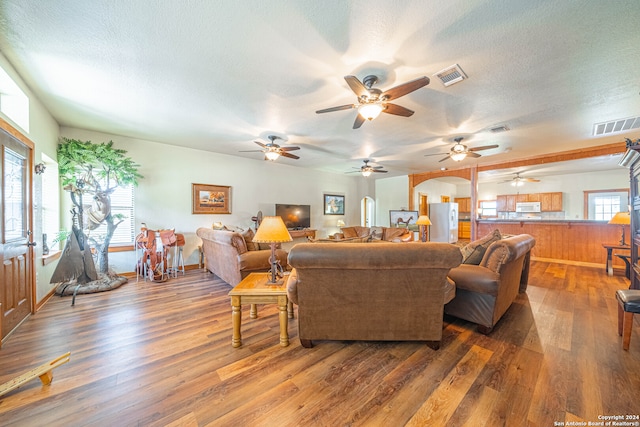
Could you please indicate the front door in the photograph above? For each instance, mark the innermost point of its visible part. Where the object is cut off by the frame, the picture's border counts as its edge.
(15, 235)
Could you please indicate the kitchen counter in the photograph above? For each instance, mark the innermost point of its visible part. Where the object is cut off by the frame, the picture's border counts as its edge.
(562, 239)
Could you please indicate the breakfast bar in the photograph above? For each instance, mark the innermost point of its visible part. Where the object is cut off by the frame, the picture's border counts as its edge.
(583, 241)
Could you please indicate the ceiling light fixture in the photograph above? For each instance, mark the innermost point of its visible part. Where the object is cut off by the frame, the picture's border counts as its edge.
(458, 152)
(272, 155)
(370, 111)
(366, 172)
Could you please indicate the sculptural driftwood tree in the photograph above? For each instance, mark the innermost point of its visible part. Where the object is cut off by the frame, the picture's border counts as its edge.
(96, 170)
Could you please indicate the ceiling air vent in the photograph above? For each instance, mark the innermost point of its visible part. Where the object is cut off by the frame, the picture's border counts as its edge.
(451, 75)
(620, 125)
(497, 129)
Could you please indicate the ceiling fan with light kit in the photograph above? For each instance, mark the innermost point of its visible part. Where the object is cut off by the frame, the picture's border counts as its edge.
(366, 169)
(372, 101)
(518, 181)
(460, 151)
(272, 150)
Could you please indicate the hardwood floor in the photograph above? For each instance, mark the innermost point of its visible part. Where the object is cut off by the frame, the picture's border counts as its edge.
(159, 354)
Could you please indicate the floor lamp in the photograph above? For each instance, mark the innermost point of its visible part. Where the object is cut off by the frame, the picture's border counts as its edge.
(272, 231)
(423, 221)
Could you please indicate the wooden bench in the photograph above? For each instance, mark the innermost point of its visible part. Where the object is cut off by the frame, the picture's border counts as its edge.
(627, 262)
(44, 372)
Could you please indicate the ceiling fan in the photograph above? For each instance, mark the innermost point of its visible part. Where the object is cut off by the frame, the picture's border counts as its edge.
(272, 150)
(459, 151)
(519, 181)
(366, 169)
(372, 101)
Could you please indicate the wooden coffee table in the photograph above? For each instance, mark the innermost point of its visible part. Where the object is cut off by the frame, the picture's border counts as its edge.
(253, 290)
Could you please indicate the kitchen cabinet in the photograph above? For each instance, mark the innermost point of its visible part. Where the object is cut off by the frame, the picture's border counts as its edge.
(464, 230)
(506, 203)
(551, 202)
(464, 204)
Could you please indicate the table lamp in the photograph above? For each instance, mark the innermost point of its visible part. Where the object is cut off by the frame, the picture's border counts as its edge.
(621, 219)
(423, 221)
(272, 230)
(341, 223)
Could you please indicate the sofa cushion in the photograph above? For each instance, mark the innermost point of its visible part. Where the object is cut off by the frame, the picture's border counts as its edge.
(349, 232)
(248, 240)
(485, 241)
(392, 234)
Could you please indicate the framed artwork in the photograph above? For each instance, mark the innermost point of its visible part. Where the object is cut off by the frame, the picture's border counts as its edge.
(333, 204)
(403, 219)
(211, 199)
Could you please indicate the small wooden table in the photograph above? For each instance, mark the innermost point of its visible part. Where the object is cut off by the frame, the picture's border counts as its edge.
(253, 290)
(610, 247)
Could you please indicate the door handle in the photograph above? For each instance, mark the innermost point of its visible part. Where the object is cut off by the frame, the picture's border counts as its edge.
(31, 243)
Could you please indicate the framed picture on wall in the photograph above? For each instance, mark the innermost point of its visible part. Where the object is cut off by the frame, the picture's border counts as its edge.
(211, 199)
(333, 204)
(403, 219)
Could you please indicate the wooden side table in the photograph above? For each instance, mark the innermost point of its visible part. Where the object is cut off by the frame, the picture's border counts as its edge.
(254, 289)
(610, 247)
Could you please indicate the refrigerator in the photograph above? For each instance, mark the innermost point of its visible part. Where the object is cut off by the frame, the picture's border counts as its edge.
(444, 222)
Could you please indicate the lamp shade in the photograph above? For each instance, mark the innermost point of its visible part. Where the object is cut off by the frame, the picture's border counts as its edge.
(340, 223)
(272, 230)
(423, 220)
(621, 218)
(272, 155)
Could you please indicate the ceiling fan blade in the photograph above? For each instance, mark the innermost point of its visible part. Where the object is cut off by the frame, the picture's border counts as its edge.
(472, 154)
(378, 170)
(291, 156)
(405, 88)
(341, 107)
(442, 160)
(397, 110)
(529, 179)
(377, 167)
(251, 151)
(484, 147)
(290, 148)
(357, 86)
(435, 154)
(260, 144)
(358, 122)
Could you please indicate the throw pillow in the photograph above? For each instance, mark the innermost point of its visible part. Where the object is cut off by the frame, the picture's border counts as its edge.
(485, 241)
(476, 256)
(237, 241)
(349, 232)
(248, 240)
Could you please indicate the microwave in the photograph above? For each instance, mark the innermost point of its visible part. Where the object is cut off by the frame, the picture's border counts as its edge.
(528, 207)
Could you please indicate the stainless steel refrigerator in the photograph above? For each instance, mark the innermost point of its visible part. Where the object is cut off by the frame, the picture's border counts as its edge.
(444, 222)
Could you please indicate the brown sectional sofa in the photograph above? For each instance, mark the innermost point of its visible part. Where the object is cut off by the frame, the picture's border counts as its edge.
(375, 292)
(229, 257)
(484, 292)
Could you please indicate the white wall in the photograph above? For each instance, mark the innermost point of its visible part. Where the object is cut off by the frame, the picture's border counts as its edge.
(43, 132)
(163, 196)
(391, 194)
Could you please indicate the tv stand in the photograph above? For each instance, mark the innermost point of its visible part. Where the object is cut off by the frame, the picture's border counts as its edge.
(308, 232)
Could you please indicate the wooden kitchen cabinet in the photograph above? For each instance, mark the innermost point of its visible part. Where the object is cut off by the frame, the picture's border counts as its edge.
(464, 230)
(551, 202)
(464, 204)
(506, 203)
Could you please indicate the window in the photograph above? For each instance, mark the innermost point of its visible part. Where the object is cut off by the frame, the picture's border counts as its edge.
(122, 202)
(14, 103)
(488, 208)
(50, 202)
(603, 205)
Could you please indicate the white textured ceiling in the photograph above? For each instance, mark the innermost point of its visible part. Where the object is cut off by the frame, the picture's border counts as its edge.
(217, 75)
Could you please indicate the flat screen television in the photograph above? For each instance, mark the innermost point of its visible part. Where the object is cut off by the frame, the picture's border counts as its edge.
(295, 217)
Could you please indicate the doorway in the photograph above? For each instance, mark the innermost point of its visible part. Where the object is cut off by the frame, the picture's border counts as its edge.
(367, 212)
(16, 253)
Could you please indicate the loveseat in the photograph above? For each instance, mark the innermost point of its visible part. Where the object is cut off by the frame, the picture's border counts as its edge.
(484, 292)
(381, 292)
(232, 255)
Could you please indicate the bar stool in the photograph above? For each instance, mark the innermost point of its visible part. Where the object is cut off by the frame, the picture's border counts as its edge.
(628, 304)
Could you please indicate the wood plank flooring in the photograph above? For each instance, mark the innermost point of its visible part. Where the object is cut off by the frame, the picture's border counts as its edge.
(159, 354)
